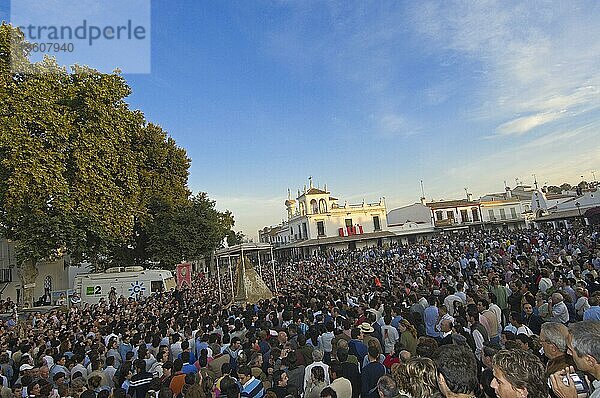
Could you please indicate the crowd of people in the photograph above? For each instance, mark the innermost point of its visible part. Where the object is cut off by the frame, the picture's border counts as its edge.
(508, 314)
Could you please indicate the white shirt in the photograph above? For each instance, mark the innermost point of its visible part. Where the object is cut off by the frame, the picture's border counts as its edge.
(581, 305)
(309, 368)
(596, 392)
(496, 310)
(560, 313)
(390, 337)
(545, 284)
(523, 329)
(478, 337)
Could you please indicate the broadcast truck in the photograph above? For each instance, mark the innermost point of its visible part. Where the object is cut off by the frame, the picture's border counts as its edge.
(130, 282)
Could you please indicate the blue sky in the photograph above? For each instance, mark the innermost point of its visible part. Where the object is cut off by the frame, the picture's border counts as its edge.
(372, 97)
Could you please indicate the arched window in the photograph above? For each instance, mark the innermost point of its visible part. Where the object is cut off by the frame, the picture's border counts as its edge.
(322, 206)
(314, 207)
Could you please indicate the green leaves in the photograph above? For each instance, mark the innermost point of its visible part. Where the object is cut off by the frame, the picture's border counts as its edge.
(82, 174)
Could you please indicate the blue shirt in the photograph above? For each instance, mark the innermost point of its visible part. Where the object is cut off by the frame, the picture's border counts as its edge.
(189, 368)
(592, 314)
(431, 317)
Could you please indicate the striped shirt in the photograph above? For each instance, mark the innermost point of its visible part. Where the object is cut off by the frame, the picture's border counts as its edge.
(253, 389)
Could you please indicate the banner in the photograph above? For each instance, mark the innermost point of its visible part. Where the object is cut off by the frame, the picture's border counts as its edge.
(184, 274)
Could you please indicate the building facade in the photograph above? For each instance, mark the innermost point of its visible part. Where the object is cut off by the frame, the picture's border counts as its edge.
(411, 223)
(316, 221)
(456, 214)
(53, 276)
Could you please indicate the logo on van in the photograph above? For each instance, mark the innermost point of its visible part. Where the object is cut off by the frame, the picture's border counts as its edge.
(136, 288)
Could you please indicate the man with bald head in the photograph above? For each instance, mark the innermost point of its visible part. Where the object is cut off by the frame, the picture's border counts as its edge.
(446, 326)
(560, 313)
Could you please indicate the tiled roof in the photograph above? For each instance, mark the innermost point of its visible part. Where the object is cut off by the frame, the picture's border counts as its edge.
(315, 191)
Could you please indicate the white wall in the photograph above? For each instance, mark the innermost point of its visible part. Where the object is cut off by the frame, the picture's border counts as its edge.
(587, 200)
(497, 206)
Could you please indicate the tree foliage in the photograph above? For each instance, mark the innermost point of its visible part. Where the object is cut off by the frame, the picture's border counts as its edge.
(188, 231)
(83, 174)
(566, 187)
(554, 189)
(69, 172)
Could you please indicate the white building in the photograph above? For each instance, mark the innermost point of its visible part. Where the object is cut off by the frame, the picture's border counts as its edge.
(316, 221)
(507, 213)
(455, 214)
(542, 202)
(411, 223)
(52, 276)
(563, 209)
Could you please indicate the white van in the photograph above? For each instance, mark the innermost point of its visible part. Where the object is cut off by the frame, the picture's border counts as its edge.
(128, 282)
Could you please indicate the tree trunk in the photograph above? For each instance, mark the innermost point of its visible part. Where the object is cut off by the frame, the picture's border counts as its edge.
(28, 273)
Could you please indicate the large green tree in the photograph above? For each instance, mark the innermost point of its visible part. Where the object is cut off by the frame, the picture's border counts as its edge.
(68, 168)
(82, 174)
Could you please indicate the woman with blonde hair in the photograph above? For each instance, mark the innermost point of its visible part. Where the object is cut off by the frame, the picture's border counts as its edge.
(421, 379)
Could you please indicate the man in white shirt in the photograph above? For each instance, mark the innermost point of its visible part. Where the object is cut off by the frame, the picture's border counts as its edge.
(390, 335)
(517, 321)
(545, 281)
(317, 356)
(560, 313)
(443, 316)
(110, 371)
(175, 348)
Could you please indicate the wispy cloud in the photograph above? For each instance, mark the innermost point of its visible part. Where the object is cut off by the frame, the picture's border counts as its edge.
(556, 157)
(524, 124)
(394, 125)
(538, 60)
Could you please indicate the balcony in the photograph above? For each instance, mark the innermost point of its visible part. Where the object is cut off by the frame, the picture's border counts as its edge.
(445, 223)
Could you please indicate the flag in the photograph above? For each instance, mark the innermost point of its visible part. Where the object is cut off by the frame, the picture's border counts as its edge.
(184, 274)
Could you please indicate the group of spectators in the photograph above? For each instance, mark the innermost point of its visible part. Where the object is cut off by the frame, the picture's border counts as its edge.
(470, 314)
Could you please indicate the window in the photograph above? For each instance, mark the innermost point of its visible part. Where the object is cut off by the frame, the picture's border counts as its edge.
(450, 215)
(376, 224)
(304, 230)
(320, 228)
(314, 207)
(464, 215)
(475, 214)
(502, 214)
(439, 215)
(491, 214)
(322, 206)
(348, 222)
(156, 286)
(513, 213)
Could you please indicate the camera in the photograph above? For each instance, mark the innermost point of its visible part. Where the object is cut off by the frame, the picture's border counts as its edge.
(578, 379)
